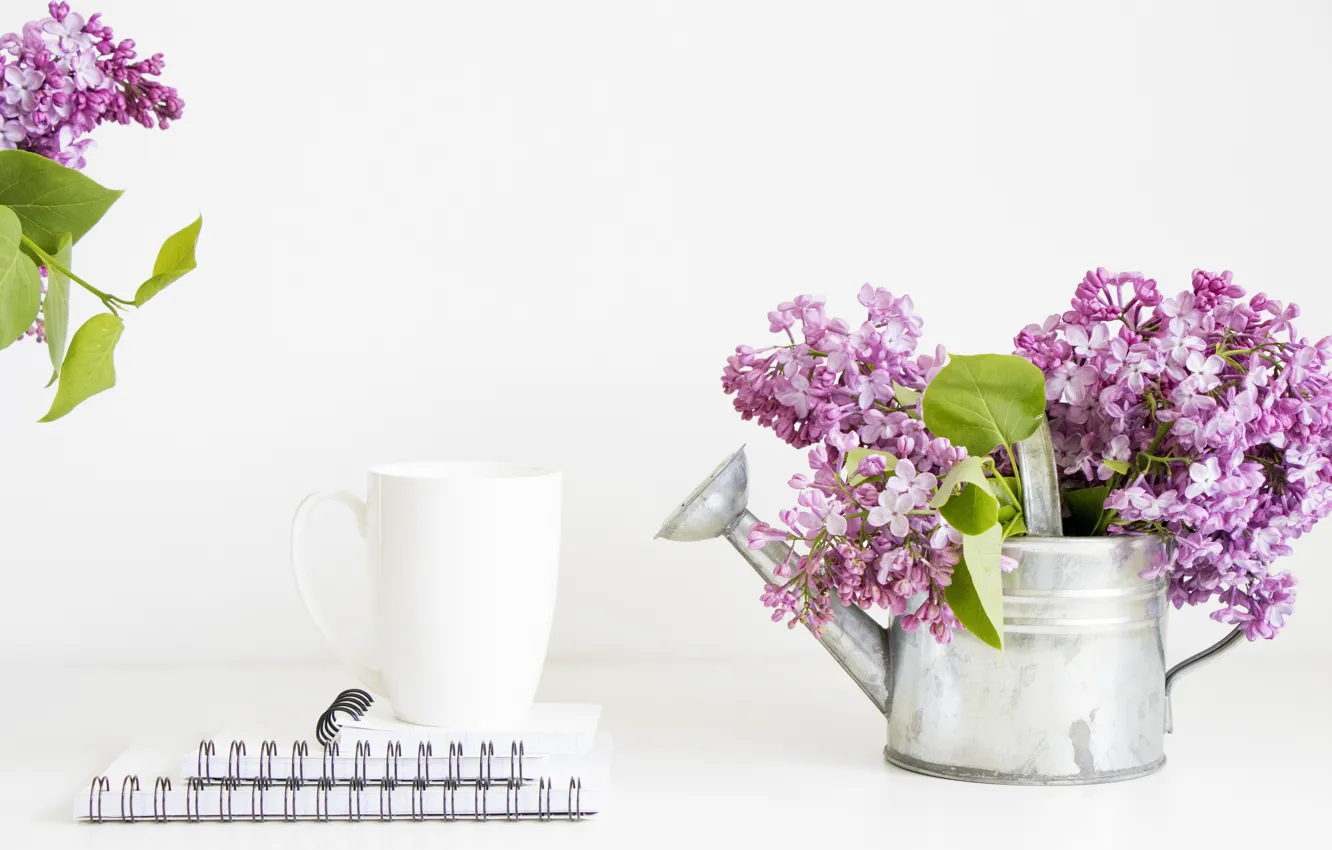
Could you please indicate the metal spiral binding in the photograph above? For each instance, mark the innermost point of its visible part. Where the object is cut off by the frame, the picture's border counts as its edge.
(261, 780)
(448, 801)
(389, 781)
(224, 790)
(359, 759)
(421, 781)
(299, 751)
(328, 763)
(267, 750)
(99, 785)
(575, 794)
(424, 752)
(204, 763)
(511, 810)
(479, 801)
(192, 790)
(394, 751)
(516, 763)
(418, 800)
(386, 787)
(485, 768)
(234, 754)
(160, 789)
(354, 789)
(455, 761)
(257, 790)
(543, 796)
(289, 790)
(128, 786)
(322, 794)
(242, 770)
(353, 701)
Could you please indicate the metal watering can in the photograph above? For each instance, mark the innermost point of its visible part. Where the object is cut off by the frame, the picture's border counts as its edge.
(1080, 693)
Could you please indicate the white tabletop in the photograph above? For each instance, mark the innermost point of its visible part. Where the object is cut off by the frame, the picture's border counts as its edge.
(713, 755)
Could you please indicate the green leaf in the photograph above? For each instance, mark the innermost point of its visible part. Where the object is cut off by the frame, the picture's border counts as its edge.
(1119, 466)
(1086, 507)
(1014, 526)
(977, 592)
(20, 283)
(855, 456)
(905, 396)
(973, 511)
(88, 368)
(174, 261)
(55, 308)
(1006, 513)
(985, 400)
(50, 199)
(970, 470)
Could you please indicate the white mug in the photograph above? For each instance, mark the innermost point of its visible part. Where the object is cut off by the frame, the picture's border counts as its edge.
(463, 561)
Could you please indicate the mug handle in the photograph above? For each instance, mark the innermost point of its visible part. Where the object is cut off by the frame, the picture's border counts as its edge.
(367, 672)
(1184, 666)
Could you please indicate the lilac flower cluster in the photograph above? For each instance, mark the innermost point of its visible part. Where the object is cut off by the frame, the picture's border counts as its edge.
(64, 75)
(1207, 419)
(38, 329)
(862, 526)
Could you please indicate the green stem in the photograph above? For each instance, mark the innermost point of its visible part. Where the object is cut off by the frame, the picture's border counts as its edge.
(51, 262)
(1167, 460)
(1162, 429)
(1012, 461)
(1012, 499)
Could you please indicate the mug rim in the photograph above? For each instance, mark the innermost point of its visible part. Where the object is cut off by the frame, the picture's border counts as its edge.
(460, 470)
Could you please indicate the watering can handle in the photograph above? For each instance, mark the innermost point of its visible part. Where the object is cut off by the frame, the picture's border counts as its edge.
(1040, 502)
(1040, 484)
(1191, 662)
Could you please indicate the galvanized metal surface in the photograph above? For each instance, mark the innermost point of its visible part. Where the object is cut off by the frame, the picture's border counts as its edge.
(1041, 509)
(1078, 695)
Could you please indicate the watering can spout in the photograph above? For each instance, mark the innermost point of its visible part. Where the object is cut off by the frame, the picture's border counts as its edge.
(719, 508)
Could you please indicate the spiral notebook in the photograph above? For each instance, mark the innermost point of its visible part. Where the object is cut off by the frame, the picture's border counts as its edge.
(337, 779)
(136, 789)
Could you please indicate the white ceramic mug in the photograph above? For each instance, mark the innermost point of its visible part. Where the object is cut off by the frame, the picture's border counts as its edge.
(463, 561)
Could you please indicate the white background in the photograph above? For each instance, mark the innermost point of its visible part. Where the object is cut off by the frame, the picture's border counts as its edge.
(534, 232)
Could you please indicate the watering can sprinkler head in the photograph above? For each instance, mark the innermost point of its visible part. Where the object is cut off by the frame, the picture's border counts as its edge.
(719, 508)
(715, 505)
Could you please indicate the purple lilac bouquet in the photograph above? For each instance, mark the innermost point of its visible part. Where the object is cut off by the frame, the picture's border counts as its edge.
(1201, 418)
(64, 75)
(864, 517)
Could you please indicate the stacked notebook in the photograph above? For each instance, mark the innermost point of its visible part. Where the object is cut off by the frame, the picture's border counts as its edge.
(366, 765)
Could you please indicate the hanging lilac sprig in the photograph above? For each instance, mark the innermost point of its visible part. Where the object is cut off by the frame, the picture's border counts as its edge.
(64, 75)
(1201, 418)
(60, 77)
